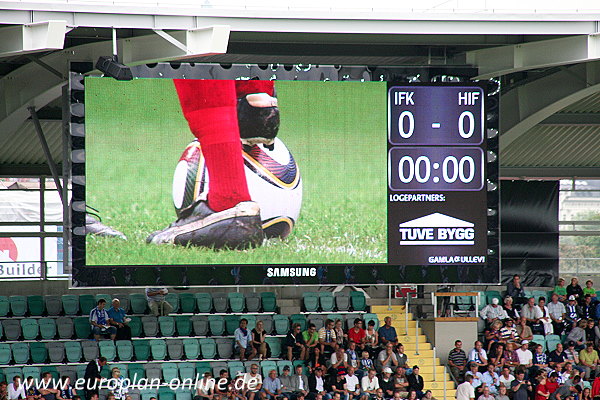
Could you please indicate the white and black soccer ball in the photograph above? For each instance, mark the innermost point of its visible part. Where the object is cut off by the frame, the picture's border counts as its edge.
(273, 178)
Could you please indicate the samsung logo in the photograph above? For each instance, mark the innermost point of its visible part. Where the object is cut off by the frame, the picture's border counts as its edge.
(286, 272)
(437, 229)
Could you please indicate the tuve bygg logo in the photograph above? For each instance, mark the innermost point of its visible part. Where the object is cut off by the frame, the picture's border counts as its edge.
(437, 229)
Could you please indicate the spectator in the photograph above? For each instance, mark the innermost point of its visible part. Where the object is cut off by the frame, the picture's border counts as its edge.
(524, 354)
(352, 354)
(378, 394)
(557, 311)
(271, 387)
(541, 391)
(387, 357)
(502, 393)
(258, 340)
(557, 357)
(294, 345)
(540, 359)
(523, 330)
(505, 379)
(92, 376)
(492, 334)
(401, 356)
(573, 311)
(299, 384)
(508, 332)
(205, 390)
(589, 289)
(572, 356)
(596, 335)
(357, 334)
(3, 390)
(243, 341)
(493, 312)
(387, 333)
(120, 392)
(386, 383)
(400, 382)
(352, 384)
(545, 319)
(48, 390)
(223, 389)
(457, 360)
(573, 289)
(340, 336)
(16, 390)
(520, 386)
(337, 385)
(586, 394)
(511, 359)
(339, 361)
(317, 360)
(497, 357)
(371, 338)
(415, 381)
(565, 391)
(369, 385)
(486, 395)
(590, 332)
(478, 355)
(515, 289)
(156, 301)
(316, 383)
(366, 363)
(428, 395)
(490, 379)
(31, 391)
(327, 337)
(252, 383)
(99, 320)
(551, 383)
(477, 376)
(588, 359)
(560, 290)
(588, 309)
(118, 318)
(311, 340)
(532, 315)
(466, 391)
(577, 335)
(509, 308)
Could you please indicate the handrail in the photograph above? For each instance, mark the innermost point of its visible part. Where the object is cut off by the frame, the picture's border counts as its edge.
(434, 366)
(445, 372)
(417, 337)
(406, 309)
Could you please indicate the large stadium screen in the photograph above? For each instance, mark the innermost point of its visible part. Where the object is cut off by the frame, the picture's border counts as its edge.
(350, 182)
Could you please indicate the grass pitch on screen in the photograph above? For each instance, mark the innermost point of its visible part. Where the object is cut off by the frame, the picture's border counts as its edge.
(136, 132)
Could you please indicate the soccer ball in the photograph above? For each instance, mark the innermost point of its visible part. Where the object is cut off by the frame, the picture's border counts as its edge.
(273, 178)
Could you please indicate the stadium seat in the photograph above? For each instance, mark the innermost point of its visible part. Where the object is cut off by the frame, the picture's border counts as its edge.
(302, 363)
(232, 322)
(30, 328)
(204, 302)
(158, 348)
(12, 329)
(4, 306)
(164, 393)
(47, 328)
(217, 366)
(104, 296)
(68, 370)
(18, 305)
(167, 325)
(70, 303)
(90, 350)
(275, 345)
(170, 371)
(108, 349)
(31, 371)
(216, 324)
(300, 319)
(20, 352)
(39, 353)
(56, 352)
(65, 327)
(153, 371)
(175, 349)
(134, 393)
(269, 301)
(191, 348)
(282, 324)
(138, 303)
(5, 354)
(124, 350)
(136, 326)
(202, 367)
(136, 372)
(342, 301)
(225, 348)
(52, 369)
(80, 370)
(208, 348)
(182, 395)
(235, 367)
(358, 301)
(187, 302)
(248, 365)
(282, 364)
(122, 367)
(539, 339)
(124, 299)
(253, 302)
(251, 320)
(491, 294)
(141, 349)
(147, 393)
(36, 305)
(267, 323)
(87, 302)
(200, 324)
(327, 301)
(105, 373)
(187, 370)
(267, 366)
(237, 302)
(83, 329)
(12, 371)
(173, 300)
(150, 325)
(310, 300)
(316, 319)
(184, 325)
(220, 302)
(53, 305)
(371, 317)
(552, 341)
(73, 351)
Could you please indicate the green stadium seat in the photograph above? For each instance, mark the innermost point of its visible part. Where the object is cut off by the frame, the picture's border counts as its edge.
(4, 306)
(122, 367)
(183, 394)
(90, 350)
(317, 319)
(253, 302)
(220, 302)
(187, 302)
(150, 325)
(173, 300)
(105, 372)
(141, 349)
(65, 327)
(235, 367)
(80, 371)
(106, 297)
(30, 328)
(12, 371)
(327, 301)
(12, 329)
(269, 301)
(371, 317)
(108, 349)
(225, 347)
(282, 364)
(300, 319)
(83, 329)
(18, 305)
(175, 349)
(251, 321)
(204, 302)
(491, 294)
(540, 293)
(202, 367)
(232, 322)
(208, 348)
(191, 348)
(73, 351)
(267, 366)
(36, 305)
(267, 322)
(39, 353)
(136, 372)
(47, 328)
(136, 326)
(138, 303)
(158, 348)
(5, 354)
(70, 303)
(358, 301)
(170, 371)
(167, 325)
(31, 371)
(68, 370)
(153, 371)
(56, 352)
(552, 341)
(200, 324)
(87, 302)
(310, 300)
(282, 324)
(216, 324)
(342, 301)
(164, 393)
(20, 352)
(539, 339)
(147, 393)
(124, 299)
(275, 346)
(124, 350)
(184, 325)
(237, 302)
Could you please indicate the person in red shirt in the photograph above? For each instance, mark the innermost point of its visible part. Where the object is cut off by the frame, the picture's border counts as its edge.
(541, 392)
(551, 383)
(357, 334)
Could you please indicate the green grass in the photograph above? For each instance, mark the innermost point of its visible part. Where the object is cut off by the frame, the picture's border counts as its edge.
(135, 134)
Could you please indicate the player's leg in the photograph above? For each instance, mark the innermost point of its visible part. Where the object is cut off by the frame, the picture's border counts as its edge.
(258, 114)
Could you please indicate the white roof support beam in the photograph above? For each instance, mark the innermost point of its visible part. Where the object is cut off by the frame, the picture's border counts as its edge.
(504, 60)
(32, 38)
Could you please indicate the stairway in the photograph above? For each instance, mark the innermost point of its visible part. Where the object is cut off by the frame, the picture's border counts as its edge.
(418, 350)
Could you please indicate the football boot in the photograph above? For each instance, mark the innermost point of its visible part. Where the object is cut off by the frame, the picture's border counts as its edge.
(258, 119)
(95, 227)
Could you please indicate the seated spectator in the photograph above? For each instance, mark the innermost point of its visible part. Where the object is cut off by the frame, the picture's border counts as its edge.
(122, 389)
(340, 336)
(339, 361)
(502, 393)
(493, 312)
(588, 309)
(271, 387)
(299, 383)
(524, 354)
(505, 379)
(400, 382)
(545, 319)
(401, 356)
(252, 383)
(557, 311)
(31, 391)
(428, 395)
(486, 394)
(508, 332)
(378, 394)
(118, 319)
(589, 360)
(523, 329)
(540, 360)
(477, 355)
(465, 391)
(590, 332)
(156, 301)
(387, 333)
(509, 308)
(557, 357)
(222, 386)
(532, 315)
(371, 338)
(541, 391)
(575, 290)
(48, 389)
(476, 375)
(572, 356)
(386, 383)
(496, 357)
(589, 289)
(573, 312)
(457, 360)
(490, 379)
(566, 391)
(369, 385)
(492, 334)
(415, 381)
(316, 360)
(366, 363)
(16, 390)
(258, 340)
(387, 357)
(520, 386)
(357, 334)
(560, 290)
(515, 289)
(311, 340)
(243, 341)
(511, 359)
(337, 385)
(205, 388)
(551, 383)
(316, 383)
(327, 337)
(352, 354)
(293, 344)
(99, 320)
(577, 335)
(352, 384)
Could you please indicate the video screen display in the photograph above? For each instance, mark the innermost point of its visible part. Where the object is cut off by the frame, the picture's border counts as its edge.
(253, 182)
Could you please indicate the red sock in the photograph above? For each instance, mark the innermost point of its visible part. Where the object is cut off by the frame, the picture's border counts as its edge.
(243, 88)
(210, 107)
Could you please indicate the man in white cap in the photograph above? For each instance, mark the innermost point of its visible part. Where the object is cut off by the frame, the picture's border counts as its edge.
(492, 312)
(525, 355)
(386, 382)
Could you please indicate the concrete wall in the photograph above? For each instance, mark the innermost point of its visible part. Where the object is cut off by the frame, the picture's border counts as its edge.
(447, 332)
